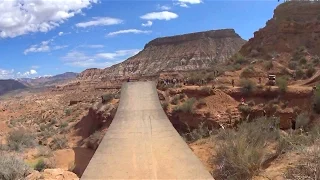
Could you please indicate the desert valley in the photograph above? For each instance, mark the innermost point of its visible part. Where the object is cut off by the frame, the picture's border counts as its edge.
(247, 109)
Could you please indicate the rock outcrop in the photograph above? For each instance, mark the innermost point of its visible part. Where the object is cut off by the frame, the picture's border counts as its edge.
(293, 25)
(52, 174)
(193, 51)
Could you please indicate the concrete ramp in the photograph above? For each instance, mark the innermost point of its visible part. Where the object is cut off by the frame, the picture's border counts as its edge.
(141, 143)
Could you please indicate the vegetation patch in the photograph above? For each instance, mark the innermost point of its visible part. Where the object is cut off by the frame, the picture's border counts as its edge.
(12, 167)
(248, 86)
(186, 107)
(19, 139)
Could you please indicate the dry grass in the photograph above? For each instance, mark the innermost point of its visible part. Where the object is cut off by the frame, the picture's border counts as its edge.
(19, 139)
(186, 107)
(12, 168)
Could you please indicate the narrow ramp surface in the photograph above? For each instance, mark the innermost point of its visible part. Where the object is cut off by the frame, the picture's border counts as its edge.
(141, 142)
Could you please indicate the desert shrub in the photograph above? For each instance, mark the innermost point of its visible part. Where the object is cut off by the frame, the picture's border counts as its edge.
(64, 124)
(315, 60)
(59, 143)
(19, 139)
(268, 65)
(206, 90)
(107, 97)
(94, 140)
(67, 112)
(247, 71)
(310, 72)
(302, 120)
(316, 100)
(292, 65)
(300, 73)
(242, 152)
(12, 167)
(40, 165)
(244, 109)
(195, 78)
(186, 107)
(201, 132)
(251, 103)
(247, 85)
(308, 167)
(303, 60)
(282, 83)
(43, 151)
(239, 59)
(175, 99)
(210, 76)
(165, 105)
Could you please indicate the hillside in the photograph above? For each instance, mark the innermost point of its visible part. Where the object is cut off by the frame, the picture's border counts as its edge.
(294, 25)
(193, 51)
(49, 81)
(10, 85)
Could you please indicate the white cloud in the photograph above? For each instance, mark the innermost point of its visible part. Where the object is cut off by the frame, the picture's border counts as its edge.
(184, 3)
(32, 71)
(60, 33)
(93, 46)
(100, 60)
(164, 15)
(19, 17)
(148, 24)
(100, 21)
(44, 46)
(134, 31)
(117, 54)
(164, 7)
(6, 74)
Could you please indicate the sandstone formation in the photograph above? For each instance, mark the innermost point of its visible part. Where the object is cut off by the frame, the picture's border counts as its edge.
(293, 25)
(193, 51)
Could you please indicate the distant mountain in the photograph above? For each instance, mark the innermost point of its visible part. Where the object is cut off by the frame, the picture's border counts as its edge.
(48, 80)
(10, 85)
(194, 51)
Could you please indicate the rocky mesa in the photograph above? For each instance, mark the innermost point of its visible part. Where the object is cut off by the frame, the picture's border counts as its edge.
(192, 51)
(293, 25)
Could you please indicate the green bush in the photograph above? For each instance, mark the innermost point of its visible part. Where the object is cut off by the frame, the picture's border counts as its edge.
(19, 139)
(282, 83)
(59, 143)
(165, 105)
(315, 60)
(247, 85)
(300, 73)
(186, 107)
(268, 65)
(241, 153)
(292, 65)
(67, 112)
(310, 72)
(302, 121)
(303, 60)
(239, 59)
(107, 97)
(201, 132)
(247, 71)
(245, 109)
(12, 168)
(175, 100)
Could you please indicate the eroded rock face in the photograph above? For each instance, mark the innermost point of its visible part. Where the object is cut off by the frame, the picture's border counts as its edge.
(293, 25)
(177, 53)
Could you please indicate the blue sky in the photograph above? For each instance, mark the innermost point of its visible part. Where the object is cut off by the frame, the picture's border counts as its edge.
(48, 37)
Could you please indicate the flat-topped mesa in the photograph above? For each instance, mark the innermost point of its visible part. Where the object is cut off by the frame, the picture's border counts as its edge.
(194, 51)
(214, 34)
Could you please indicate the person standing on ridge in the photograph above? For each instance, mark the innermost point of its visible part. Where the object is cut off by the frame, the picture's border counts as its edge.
(232, 82)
